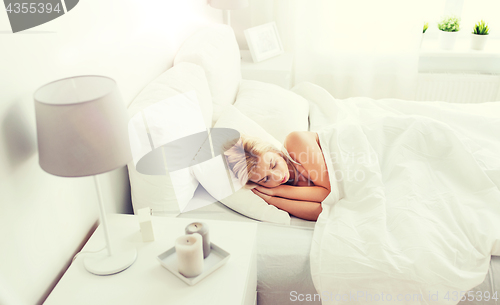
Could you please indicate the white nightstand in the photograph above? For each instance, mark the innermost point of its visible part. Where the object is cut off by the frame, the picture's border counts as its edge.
(147, 282)
(276, 70)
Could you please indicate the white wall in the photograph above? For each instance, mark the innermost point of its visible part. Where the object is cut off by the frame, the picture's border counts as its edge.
(44, 218)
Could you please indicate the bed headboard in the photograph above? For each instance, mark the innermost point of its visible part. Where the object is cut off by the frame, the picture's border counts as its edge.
(215, 49)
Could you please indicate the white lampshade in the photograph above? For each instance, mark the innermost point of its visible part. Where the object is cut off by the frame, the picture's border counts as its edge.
(81, 126)
(228, 4)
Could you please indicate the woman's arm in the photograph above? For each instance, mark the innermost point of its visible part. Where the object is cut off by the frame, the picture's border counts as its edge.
(303, 209)
(305, 193)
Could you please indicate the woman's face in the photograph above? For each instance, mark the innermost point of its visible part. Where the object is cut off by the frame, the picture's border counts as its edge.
(271, 170)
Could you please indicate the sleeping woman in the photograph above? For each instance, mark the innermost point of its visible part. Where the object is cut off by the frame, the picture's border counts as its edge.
(294, 180)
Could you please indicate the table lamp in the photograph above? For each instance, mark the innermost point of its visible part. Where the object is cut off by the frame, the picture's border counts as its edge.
(228, 5)
(82, 131)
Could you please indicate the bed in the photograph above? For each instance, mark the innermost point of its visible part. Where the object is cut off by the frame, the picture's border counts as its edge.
(283, 264)
(293, 264)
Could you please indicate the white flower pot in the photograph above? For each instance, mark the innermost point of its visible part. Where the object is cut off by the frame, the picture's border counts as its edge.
(477, 42)
(447, 40)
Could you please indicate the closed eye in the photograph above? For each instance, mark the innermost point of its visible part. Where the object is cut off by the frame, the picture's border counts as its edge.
(263, 180)
(275, 163)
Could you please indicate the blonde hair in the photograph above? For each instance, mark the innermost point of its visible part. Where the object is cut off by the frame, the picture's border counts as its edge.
(243, 156)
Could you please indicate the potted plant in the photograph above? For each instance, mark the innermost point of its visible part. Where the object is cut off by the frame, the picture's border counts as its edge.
(449, 27)
(479, 36)
(426, 26)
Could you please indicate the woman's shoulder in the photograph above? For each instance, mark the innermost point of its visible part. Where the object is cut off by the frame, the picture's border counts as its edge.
(299, 142)
(300, 139)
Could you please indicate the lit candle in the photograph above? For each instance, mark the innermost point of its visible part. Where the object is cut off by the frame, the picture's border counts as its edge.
(202, 229)
(189, 250)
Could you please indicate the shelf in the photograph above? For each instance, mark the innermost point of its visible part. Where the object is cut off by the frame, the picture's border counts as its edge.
(461, 59)
(430, 48)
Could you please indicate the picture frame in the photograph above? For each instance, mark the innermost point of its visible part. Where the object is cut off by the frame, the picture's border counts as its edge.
(264, 41)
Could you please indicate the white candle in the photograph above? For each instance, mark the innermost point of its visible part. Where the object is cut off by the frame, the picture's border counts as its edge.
(202, 229)
(189, 250)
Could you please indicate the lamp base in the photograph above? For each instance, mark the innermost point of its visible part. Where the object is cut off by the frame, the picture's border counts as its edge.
(104, 264)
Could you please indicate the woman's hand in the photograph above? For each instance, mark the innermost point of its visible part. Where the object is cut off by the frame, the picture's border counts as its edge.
(303, 209)
(266, 190)
(278, 191)
(262, 195)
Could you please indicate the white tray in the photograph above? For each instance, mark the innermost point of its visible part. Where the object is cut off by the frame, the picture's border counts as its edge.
(217, 258)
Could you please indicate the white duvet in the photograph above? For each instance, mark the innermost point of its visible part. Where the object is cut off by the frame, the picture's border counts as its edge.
(419, 211)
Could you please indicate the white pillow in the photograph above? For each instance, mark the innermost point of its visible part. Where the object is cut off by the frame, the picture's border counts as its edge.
(277, 110)
(243, 200)
(216, 50)
(185, 88)
(184, 77)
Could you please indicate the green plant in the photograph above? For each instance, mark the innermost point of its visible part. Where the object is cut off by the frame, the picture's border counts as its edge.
(426, 26)
(481, 28)
(449, 24)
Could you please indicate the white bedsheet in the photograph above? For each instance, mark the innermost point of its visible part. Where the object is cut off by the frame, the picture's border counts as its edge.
(419, 214)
